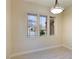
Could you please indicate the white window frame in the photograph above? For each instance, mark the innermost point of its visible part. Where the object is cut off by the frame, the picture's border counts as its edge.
(38, 18)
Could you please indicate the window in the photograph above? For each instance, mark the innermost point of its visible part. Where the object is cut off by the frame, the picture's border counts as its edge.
(37, 25)
(51, 25)
(43, 25)
(32, 28)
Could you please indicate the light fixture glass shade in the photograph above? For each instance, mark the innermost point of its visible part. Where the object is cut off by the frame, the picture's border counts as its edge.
(57, 10)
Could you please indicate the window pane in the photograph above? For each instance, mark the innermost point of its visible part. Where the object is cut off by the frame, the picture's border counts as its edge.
(32, 25)
(51, 25)
(43, 25)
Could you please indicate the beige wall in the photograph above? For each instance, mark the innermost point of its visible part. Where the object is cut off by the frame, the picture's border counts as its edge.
(67, 28)
(19, 42)
(8, 29)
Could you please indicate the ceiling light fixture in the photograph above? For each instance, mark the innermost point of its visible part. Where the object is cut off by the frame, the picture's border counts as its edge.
(56, 9)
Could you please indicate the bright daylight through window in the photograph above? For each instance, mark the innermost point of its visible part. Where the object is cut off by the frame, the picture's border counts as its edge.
(34, 24)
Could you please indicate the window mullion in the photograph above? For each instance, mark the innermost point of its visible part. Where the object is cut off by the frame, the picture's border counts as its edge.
(48, 25)
(38, 28)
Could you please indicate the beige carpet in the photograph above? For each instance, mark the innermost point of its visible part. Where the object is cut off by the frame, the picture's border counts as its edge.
(57, 53)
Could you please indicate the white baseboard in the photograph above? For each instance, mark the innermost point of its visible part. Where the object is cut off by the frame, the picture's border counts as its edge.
(32, 51)
(67, 47)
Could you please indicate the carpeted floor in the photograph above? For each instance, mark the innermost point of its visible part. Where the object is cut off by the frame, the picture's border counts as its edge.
(57, 53)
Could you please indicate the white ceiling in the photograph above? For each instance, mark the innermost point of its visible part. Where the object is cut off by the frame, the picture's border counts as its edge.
(50, 3)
